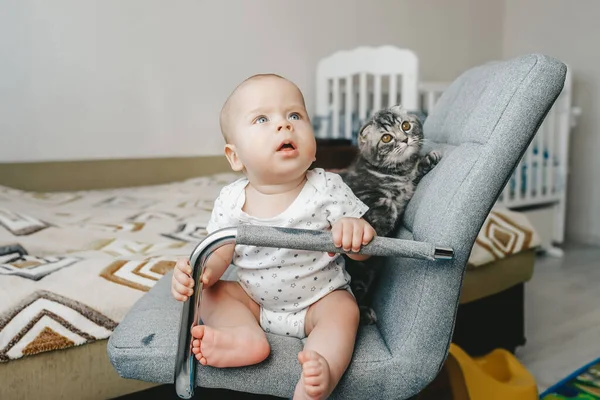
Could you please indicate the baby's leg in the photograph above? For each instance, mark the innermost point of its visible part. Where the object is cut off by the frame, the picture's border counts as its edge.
(231, 335)
(331, 325)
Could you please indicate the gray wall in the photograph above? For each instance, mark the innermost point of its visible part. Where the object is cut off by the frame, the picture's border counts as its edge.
(146, 78)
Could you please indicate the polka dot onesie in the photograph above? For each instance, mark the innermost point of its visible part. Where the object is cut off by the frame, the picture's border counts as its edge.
(286, 282)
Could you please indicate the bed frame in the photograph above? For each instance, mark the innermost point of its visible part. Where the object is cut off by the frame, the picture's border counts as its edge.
(377, 77)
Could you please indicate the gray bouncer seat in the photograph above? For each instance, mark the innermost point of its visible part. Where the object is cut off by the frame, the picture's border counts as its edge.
(482, 124)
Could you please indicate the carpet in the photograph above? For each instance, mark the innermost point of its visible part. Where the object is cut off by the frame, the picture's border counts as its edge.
(583, 384)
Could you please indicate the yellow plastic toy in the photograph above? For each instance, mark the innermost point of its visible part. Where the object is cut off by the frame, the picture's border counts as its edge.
(495, 376)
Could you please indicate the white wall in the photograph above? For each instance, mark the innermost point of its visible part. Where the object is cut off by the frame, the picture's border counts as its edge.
(146, 78)
(570, 32)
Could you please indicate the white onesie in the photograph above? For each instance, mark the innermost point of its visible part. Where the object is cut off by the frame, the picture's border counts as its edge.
(286, 282)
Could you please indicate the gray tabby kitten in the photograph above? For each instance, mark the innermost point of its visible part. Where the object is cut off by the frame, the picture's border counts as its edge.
(384, 176)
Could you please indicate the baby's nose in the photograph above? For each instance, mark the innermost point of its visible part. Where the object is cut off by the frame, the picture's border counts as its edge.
(284, 125)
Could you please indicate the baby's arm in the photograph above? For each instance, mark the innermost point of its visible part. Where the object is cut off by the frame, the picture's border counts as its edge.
(182, 283)
(351, 234)
(219, 260)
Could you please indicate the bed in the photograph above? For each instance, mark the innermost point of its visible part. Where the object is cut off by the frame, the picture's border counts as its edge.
(73, 263)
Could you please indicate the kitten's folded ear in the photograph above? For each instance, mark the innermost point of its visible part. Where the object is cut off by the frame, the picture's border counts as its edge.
(398, 109)
(362, 133)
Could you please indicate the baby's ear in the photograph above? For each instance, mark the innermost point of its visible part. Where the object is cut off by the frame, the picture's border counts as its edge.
(232, 156)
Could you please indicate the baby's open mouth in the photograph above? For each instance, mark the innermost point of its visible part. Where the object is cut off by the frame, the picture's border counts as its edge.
(286, 147)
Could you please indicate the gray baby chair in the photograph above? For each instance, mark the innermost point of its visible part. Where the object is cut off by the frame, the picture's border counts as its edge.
(482, 124)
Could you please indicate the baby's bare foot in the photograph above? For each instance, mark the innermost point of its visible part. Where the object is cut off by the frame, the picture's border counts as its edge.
(315, 380)
(229, 347)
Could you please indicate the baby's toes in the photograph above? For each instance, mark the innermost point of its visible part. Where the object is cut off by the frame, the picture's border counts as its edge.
(196, 349)
(314, 391)
(312, 369)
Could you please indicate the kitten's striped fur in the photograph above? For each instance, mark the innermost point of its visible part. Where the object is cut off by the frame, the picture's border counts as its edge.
(384, 176)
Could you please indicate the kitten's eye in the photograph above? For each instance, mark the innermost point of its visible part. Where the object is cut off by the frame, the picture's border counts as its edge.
(386, 138)
(406, 126)
(261, 120)
(295, 116)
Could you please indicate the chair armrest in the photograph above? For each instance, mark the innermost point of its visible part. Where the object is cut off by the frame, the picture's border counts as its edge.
(298, 239)
(305, 239)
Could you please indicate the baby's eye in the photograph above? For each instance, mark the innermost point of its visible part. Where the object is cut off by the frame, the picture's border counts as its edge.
(261, 120)
(295, 116)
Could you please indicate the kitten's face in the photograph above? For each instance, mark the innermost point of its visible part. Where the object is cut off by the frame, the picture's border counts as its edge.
(390, 137)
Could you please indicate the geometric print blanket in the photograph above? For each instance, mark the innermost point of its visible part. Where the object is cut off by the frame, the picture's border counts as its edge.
(73, 263)
(504, 232)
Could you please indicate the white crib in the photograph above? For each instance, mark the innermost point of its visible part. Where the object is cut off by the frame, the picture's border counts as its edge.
(351, 85)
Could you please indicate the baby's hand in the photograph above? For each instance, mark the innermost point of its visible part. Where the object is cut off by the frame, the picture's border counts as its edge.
(351, 234)
(209, 277)
(182, 283)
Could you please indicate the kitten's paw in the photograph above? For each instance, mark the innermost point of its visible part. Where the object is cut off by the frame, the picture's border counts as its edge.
(434, 157)
(429, 161)
(367, 315)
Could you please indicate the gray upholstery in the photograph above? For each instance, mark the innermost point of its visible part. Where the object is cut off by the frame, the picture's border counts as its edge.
(255, 235)
(483, 124)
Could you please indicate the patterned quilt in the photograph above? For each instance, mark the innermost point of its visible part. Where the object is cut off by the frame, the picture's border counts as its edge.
(73, 263)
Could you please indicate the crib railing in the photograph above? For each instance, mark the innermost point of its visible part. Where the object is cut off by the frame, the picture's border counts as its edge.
(540, 178)
(429, 94)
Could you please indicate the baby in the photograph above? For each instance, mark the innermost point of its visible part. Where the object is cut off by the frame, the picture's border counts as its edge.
(294, 293)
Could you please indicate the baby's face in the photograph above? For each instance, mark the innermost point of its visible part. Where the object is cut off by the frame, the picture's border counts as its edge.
(271, 130)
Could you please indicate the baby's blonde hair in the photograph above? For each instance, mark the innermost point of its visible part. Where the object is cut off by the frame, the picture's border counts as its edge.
(225, 115)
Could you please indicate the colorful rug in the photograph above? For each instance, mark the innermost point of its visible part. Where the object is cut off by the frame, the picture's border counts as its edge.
(583, 384)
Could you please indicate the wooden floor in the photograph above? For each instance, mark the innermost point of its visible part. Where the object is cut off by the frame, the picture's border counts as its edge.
(562, 315)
